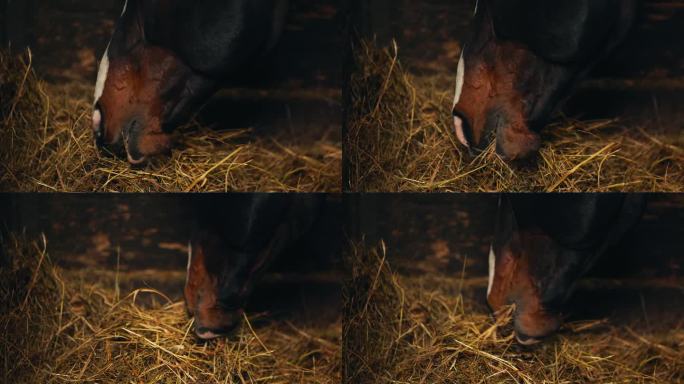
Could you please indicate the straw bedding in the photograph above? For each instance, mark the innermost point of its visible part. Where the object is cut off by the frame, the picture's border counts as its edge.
(400, 138)
(401, 329)
(57, 328)
(46, 145)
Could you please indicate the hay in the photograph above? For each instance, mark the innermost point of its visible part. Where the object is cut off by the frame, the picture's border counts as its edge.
(401, 329)
(55, 328)
(46, 145)
(400, 138)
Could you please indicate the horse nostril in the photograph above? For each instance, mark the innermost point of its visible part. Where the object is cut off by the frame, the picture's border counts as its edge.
(132, 127)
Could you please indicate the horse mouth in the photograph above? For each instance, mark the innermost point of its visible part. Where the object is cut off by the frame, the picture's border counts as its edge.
(208, 334)
(527, 341)
(460, 133)
(133, 161)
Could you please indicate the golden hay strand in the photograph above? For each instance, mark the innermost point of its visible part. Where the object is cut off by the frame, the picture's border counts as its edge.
(46, 145)
(404, 329)
(400, 138)
(57, 328)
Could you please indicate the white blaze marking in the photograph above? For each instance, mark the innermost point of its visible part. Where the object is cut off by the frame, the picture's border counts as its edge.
(104, 69)
(460, 78)
(189, 260)
(477, 4)
(102, 76)
(492, 267)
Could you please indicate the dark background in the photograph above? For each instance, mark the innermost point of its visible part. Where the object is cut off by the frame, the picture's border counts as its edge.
(443, 233)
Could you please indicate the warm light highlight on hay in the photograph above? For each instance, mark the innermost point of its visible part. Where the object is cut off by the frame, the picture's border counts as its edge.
(56, 328)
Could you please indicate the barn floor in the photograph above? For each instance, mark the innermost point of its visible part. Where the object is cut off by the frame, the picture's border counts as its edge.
(418, 312)
(279, 130)
(621, 131)
(105, 303)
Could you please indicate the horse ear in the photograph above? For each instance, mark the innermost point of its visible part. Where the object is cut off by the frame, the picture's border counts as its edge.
(129, 29)
(483, 19)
